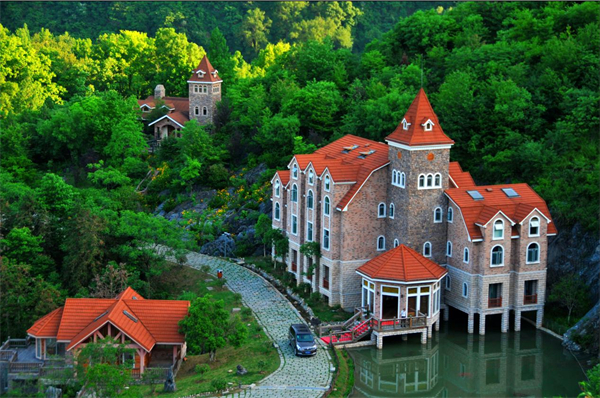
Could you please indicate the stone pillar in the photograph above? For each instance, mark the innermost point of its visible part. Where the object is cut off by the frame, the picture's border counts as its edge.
(437, 326)
(446, 313)
(505, 320)
(429, 331)
(539, 318)
(482, 324)
(517, 320)
(471, 322)
(379, 342)
(424, 337)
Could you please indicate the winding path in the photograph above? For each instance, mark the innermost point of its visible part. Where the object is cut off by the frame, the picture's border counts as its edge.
(297, 376)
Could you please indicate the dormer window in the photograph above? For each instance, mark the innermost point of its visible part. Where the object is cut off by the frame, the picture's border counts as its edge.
(405, 124)
(200, 73)
(428, 125)
(214, 73)
(145, 108)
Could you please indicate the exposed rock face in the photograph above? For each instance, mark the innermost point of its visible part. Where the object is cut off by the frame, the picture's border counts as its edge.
(223, 246)
(585, 333)
(241, 370)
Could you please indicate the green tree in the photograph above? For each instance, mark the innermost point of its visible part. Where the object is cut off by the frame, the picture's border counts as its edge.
(313, 251)
(255, 30)
(591, 388)
(570, 292)
(22, 247)
(263, 231)
(220, 56)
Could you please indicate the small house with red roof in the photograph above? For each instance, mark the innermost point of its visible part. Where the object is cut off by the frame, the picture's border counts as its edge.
(151, 327)
(204, 92)
(362, 200)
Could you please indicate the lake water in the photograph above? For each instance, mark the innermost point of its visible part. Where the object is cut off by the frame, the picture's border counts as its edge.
(453, 363)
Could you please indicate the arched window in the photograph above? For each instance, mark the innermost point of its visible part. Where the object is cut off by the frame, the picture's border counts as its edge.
(402, 179)
(381, 210)
(497, 256)
(294, 193)
(309, 199)
(534, 226)
(427, 249)
(438, 180)
(327, 183)
(196, 110)
(396, 243)
(277, 211)
(326, 206)
(392, 208)
(533, 253)
(466, 255)
(277, 187)
(450, 214)
(311, 177)
(429, 180)
(465, 291)
(295, 171)
(449, 249)
(196, 88)
(437, 215)
(204, 111)
(394, 177)
(421, 181)
(498, 229)
(448, 282)
(381, 243)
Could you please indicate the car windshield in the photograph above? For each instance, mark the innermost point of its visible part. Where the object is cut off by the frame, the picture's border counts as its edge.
(305, 338)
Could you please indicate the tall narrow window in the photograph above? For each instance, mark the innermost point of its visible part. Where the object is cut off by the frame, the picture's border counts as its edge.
(277, 211)
(294, 193)
(427, 249)
(310, 199)
(497, 256)
(294, 225)
(309, 231)
(394, 177)
(437, 215)
(498, 229)
(326, 239)
(311, 177)
(392, 209)
(421, 181)
(402, 179)
(465, 291)
(277, 187)
(196, 110)
(295, 171)
(396, 243)
(533, 253)
(381, 243)
(429, 180)
(534, 226)
(438, 180)
(449, 249)
(326, 206)
(448, 283)
(204, 111)
(381, 210)
(450, 214)
(327, 183)
(466, 255)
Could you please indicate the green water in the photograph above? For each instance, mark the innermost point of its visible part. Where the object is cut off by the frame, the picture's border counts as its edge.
(454, 363)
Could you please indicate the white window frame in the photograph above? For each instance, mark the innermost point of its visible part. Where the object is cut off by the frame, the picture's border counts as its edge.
(311, 177)
(326, 206)
(379, 207)
(448, 283)
(294, 195)
(429, 180)
(466, 255)
(294, 225)
(538, 226)
(327, 184)
(436, 211)
(328, 240)
(402, 180)
(450, 215)
(381, 239)
(494, 229)
(392, 211)
(465, 290)
(422, 179)
(428, 125)
(425, 245)
(396, 243)
(492, 256)
(538, 253)
(277, 188)
(394, 177)
(437, 180)
(277, 212)
(309, 227)
(295, 171)
(449, 249)
(405, 124)
(310, 200)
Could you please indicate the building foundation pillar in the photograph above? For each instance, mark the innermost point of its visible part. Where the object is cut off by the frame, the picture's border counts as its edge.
(379, 342)
(517, 320)
(539, 319)
(437, 325)
(429, 331)
(471, 323)
(505, 319)
(482, 324)
(424, 337)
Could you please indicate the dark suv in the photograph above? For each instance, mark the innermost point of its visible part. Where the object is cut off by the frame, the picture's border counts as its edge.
(302, 340)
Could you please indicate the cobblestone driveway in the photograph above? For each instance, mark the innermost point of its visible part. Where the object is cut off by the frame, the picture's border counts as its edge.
(297, 376)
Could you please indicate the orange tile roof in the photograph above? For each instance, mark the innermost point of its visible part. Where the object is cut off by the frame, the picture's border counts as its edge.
(460, 178)
(402, 264)
(179, 104)
(210, 73)
(154, 321)
(284, 176)
(47, 326)
(345, 164)
(178, 117)
(495, 200)
(418, 113)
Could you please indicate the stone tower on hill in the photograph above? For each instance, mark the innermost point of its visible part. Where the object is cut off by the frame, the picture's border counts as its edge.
(204, 92)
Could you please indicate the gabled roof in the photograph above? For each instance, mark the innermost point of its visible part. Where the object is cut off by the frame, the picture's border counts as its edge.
(402, 264)
(284, 176)
(419, 112)
(178, 104)
(350, 159)
(495, 200)
(460, 178)
(210, 74)
(147, 322)
(176, 117)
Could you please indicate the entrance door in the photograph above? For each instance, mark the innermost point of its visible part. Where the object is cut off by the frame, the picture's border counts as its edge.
(412, 306)
(389, 307)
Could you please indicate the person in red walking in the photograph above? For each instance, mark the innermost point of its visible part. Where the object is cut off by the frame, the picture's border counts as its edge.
(219, 273)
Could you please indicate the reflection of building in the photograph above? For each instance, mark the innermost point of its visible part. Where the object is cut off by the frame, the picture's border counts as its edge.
(204, 92)
(510, 366)
(360, 199)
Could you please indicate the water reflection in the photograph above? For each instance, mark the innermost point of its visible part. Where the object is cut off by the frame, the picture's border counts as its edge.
(457, 364)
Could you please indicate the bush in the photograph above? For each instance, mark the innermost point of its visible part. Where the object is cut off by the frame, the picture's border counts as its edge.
(205, 269)
(202, 368)
(316, 296)
(218, 385)
(246, 312)
(221, 282)
(262, 365)
(218, 176)
(237, 298)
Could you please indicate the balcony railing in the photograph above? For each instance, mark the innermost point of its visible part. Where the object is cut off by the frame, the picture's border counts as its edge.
(326, 284)
(530, 299)
(384, 325)
(495, 302)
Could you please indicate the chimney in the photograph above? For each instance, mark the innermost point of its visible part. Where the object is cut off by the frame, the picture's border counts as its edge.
(159, 92)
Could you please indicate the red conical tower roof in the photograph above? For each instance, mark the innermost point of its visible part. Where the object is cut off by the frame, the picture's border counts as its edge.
(419, 113)
(205, 73)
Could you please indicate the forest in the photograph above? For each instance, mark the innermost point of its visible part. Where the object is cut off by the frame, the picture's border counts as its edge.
(514, 84)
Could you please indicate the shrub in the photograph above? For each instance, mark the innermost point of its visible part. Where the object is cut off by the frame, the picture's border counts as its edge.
(262, 365)
(218, 384)
(205, 269)
(221, 282)
(316, 296)
(237, 298)
(202, 368)
(246, 312)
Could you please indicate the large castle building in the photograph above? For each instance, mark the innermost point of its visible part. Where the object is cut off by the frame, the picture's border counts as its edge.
(204, 91)
(403, 231)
